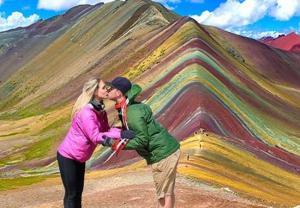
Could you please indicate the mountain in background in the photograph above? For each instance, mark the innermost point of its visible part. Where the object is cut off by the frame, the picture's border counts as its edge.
(18, 46)
(245, 95)
(290, 42)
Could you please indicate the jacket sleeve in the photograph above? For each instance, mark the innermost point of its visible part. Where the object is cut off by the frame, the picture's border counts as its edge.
(138, 124)
(91, 130)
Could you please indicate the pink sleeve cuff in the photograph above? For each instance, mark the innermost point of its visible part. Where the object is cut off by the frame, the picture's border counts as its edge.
(114, 133)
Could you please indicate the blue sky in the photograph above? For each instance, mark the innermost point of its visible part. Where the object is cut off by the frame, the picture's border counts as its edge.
(252, 18)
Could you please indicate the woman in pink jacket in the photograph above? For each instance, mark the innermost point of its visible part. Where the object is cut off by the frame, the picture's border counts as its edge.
(89, 127)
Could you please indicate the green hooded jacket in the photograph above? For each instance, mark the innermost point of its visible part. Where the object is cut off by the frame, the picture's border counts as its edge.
(152, 141)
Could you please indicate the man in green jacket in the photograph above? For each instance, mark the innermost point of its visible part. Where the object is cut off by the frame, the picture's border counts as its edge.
(151, 141)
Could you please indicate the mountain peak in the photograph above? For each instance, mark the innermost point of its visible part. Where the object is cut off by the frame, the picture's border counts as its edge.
(289, 42)
(292, 35)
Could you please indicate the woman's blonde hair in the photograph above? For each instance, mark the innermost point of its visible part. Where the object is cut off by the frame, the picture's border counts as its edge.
(86, 96)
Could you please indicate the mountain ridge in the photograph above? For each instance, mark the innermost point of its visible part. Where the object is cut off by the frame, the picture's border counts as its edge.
(289, 42)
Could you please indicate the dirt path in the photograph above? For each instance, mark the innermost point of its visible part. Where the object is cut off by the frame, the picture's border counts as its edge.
(126, 190)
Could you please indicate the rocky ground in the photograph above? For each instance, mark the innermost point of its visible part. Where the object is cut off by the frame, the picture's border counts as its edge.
(126, 190)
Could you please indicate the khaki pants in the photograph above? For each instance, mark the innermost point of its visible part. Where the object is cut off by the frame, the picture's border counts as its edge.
(164, 174)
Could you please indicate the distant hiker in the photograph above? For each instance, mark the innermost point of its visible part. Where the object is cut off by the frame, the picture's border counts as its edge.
(89, 127)
(200, 135)
(152, 141)
(202, 131)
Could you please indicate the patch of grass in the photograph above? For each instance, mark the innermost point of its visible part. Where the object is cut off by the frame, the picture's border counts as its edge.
(8, 88)
(56, 124)
(146, 64)
(10, 160)
(12, 183)
(15, 133)
(7, 103)
(29, 111)
(33, 109)
(48, 138)
(41, 148)
(13, 92)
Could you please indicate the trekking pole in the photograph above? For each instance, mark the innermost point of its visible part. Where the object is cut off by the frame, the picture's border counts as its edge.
(120, 146)
(123, 141)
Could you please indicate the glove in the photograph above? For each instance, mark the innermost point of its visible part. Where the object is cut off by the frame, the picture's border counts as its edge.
(107, 142)
(127, 134)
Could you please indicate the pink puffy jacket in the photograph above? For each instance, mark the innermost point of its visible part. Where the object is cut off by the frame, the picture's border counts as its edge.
(88, 128)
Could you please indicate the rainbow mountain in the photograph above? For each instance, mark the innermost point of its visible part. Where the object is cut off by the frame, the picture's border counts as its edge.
(233, 102)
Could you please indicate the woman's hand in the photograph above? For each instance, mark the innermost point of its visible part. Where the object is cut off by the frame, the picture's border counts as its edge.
(108, 142)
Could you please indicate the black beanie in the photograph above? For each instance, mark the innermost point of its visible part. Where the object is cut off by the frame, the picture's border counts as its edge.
(122, 84)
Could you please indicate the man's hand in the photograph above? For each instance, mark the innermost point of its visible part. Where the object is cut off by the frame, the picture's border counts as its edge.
(127, 134)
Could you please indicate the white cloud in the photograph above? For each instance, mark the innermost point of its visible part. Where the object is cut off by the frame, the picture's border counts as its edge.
(237, 13)
(17, 19)
(285, 9)
(58, 5)
(256, 34)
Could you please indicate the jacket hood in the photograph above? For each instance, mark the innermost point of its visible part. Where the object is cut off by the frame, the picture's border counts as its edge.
(134, 91)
